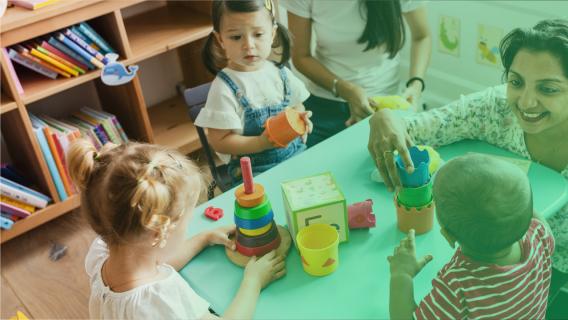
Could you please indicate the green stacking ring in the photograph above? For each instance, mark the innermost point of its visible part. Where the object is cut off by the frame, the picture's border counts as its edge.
(254, 212)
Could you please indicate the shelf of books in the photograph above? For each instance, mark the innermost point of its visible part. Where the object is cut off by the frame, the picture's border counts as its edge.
(164, 29)
(52, 55)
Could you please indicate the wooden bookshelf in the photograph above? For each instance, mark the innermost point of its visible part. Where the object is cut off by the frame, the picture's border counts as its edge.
(173, 25)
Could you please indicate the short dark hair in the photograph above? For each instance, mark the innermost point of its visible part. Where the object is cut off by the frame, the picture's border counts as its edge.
(211, 56)
(546, 36)
(483, 202)
(384, 26)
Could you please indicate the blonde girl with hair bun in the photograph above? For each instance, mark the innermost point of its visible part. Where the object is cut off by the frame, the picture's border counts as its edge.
(139, 199)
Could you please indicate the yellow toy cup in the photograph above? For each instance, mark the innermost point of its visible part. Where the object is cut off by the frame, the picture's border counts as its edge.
(390, 102)
(318, 245)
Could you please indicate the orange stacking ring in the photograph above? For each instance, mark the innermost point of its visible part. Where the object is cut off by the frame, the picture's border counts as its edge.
(258, 251)
(250, 200)
(256, 232)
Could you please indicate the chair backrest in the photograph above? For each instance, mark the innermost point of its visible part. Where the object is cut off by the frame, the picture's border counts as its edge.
(195, 99)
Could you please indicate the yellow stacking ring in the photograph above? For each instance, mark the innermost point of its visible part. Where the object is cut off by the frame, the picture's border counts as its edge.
(256, 232)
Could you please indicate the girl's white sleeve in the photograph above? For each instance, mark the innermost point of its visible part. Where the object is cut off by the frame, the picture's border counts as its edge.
(479, 116)
(220, 111)
(98, 253)
(299, 91)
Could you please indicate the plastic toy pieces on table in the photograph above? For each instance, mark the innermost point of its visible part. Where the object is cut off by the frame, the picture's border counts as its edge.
(257, 233)
(213, 213)
(361, 215)
(390, 102)
(315, 199)
(284, 127)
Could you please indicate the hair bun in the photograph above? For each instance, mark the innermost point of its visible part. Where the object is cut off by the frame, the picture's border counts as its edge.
(81, 162)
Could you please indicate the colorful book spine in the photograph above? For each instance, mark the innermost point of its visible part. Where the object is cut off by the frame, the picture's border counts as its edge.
(9, 209)
(86, 39)
(64, 56)
(16, 203)
(98, 128)
(31, 64)
(26, 53)
(55, 154)
(12, 72)
(54, 42)
(105, 122)
(84, 45)
(25, 189)
(48, 157)
(116, 123)
(6, 223)
(73, 46)
(86, 131)
(22, 196)
(93, 35)
(60, 60)
(61, 145)
(11, 173)
(65, 71)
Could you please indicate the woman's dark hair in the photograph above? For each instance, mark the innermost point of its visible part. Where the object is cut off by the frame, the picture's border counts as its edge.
(384, 26)
(212, 55)
(546, 36)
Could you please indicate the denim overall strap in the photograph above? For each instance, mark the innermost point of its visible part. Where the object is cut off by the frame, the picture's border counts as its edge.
(236, 91)
(287, 92)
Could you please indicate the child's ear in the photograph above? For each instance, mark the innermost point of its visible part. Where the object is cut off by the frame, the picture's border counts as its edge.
(219, 40)
(451, 240)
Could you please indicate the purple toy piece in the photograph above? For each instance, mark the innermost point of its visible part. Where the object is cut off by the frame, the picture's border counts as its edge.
(361, 215)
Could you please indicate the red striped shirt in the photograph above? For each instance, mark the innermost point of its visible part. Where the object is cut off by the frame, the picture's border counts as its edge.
(468, 289)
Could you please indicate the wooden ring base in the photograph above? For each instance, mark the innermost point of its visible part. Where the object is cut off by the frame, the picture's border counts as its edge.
(242, 260)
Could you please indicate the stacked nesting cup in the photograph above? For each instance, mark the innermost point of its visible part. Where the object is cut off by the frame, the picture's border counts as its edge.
(414, 203)
(284, 127)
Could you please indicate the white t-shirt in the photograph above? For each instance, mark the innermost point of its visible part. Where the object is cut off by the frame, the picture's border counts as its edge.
(262, 87)
(168, 298)
(336, 27)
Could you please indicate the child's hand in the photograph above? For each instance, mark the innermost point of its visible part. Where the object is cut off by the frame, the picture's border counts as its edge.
(268, 268)
(221, 236)
(306, 115)
(404, 259)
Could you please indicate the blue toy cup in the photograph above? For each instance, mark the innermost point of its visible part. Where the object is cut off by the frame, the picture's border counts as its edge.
(421, 175)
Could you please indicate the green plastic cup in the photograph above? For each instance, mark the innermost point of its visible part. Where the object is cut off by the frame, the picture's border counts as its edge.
(416, 197)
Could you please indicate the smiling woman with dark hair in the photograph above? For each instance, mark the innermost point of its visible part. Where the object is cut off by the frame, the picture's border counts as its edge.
(528, 116)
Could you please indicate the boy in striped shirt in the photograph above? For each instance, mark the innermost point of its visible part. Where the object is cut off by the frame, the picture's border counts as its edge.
(501, 268)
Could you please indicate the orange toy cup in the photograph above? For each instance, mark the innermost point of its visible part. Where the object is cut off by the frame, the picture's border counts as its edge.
(284, 127)
(421, 219)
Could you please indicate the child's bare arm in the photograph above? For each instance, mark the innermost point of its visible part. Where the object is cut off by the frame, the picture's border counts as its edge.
(226, 141)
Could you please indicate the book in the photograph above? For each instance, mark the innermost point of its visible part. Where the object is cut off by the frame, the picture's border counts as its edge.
(60, 60)
(18, 204)
(107, 124)
(56, 157)
(86, 39)
(114, 121)
(11, 173)
(55, 60)
(86, 29)
(12, 72)
(63, 70)
(31, 64)
(21, 195)
(32, 4)
(84, 45)
(73, 46)
(26, 53)
(20, 187)
(98, 128)
(64, 56)
(11, 210)
(6, 223)
(62, 141)
(63, 48)
(37, 127)
(86, 131)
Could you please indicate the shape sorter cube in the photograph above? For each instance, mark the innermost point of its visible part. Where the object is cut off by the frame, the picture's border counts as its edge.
(315, 199)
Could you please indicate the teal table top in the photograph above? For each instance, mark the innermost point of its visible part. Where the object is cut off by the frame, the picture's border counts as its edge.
(359, 288)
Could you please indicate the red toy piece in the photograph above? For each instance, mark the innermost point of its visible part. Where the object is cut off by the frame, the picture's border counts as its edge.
(246, 170)
(214, 213)
(361, 215)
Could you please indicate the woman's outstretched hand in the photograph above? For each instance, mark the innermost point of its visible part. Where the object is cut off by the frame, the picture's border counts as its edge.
(388, 134)
(357, 100)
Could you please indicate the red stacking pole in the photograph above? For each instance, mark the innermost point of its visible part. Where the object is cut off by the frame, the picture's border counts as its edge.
(246, 169)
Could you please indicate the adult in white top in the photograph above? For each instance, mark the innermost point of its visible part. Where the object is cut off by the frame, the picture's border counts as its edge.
(355, 58)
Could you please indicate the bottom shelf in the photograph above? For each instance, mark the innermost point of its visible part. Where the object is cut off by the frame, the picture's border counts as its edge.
(172, 126)
(40, 217)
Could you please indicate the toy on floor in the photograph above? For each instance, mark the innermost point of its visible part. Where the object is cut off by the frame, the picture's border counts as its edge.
(390, 102)
(213, 213)
(414, 203)
(284, 127)
(315, 199)
(361, 215)
(318, 245)
(257, 233)
(57, 251)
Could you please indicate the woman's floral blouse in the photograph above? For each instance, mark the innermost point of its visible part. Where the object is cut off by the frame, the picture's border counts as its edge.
(485, 116)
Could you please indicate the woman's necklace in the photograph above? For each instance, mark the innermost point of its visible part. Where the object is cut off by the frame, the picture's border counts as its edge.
(122, 284)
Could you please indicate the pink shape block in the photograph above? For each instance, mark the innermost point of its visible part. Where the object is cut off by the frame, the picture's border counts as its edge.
(213, 213)
(360, 215)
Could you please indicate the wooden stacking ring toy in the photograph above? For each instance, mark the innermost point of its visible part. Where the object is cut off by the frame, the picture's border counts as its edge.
(256, 223)
(256, 232)
(253, 213)
(258, 251)
(250, 200)
(260, 240)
